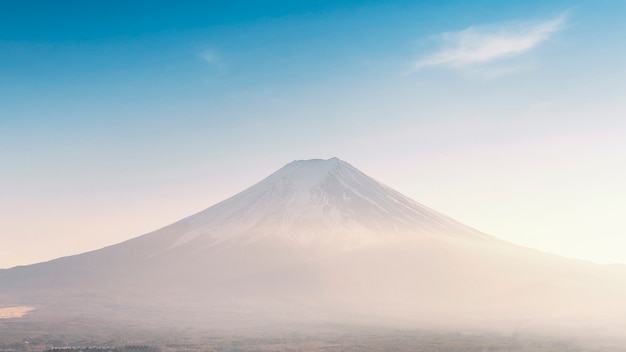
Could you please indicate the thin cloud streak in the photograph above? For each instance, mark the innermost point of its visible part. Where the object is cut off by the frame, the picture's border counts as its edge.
(483, 44)
(213, 59)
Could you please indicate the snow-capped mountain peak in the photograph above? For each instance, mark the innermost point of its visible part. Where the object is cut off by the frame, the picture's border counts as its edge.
(321, 203)
(318, 239)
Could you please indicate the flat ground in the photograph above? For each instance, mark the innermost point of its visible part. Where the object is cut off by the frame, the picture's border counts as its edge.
(39, 337)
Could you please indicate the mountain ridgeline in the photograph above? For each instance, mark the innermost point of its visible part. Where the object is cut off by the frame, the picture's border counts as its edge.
(320, 242)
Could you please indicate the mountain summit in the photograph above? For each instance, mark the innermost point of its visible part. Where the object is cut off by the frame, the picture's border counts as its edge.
(318, 203)
(318, 241)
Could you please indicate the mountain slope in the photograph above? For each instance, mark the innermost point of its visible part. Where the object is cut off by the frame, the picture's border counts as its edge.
(318, 202)
(320, 241)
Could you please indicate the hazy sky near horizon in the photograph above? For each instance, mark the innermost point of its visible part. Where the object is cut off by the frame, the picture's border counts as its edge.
(117, 117)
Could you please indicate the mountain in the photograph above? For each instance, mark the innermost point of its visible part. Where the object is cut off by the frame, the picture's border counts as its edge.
(319, 241)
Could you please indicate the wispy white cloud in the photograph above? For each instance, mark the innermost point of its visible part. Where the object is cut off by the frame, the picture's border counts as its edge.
(480, 45)
(213, 59)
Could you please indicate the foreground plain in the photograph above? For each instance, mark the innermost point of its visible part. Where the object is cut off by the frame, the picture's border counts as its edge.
(16, 337)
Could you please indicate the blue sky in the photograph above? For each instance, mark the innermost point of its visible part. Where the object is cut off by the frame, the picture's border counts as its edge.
(119, 117)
